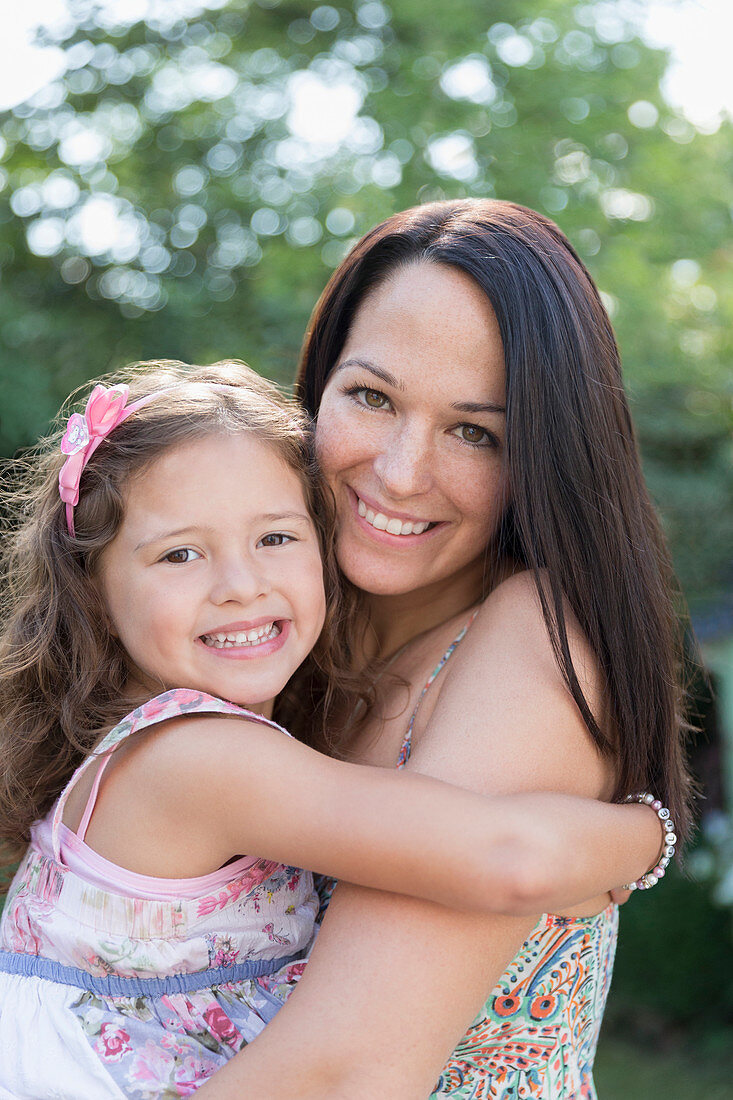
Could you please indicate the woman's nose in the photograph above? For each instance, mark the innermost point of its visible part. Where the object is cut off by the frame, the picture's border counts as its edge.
(404, 465)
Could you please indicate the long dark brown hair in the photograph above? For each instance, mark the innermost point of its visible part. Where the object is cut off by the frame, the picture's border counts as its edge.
(580, 516)
(63, 673)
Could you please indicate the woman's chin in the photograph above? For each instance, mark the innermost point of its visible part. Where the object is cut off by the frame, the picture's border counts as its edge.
(376, 577)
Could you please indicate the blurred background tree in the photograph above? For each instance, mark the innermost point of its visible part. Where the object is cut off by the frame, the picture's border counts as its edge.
(185, 187)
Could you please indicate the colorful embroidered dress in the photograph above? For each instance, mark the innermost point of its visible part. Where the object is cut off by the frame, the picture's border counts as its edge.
(537, 1033)
(146, 990)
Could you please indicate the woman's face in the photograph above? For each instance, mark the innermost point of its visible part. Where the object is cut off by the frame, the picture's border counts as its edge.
(411, 433)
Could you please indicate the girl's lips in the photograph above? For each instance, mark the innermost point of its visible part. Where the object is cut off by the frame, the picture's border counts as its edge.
(251, 652)
(385, 537)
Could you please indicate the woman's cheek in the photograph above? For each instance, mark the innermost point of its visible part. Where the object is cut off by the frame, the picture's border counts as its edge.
(345, 435)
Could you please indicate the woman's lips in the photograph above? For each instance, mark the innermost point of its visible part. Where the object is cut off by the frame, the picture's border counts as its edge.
(384, 530)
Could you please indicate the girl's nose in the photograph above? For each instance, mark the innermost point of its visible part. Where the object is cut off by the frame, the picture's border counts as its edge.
(239, 582)
(404, 465)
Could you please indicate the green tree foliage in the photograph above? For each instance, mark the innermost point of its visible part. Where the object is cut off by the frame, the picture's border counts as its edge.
(186, 186)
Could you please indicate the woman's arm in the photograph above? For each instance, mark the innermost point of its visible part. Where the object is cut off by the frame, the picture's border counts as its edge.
(393, 983)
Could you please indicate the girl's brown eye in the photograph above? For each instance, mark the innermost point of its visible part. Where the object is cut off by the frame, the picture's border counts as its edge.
(180, 557)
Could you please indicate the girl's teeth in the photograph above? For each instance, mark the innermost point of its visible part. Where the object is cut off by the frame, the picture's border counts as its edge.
(392, 526)
(256, 636)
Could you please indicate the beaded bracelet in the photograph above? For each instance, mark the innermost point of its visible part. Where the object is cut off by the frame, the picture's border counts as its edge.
(651, 878)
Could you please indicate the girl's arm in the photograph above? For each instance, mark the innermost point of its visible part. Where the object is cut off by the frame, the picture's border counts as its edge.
(386, 829)
(393, 983)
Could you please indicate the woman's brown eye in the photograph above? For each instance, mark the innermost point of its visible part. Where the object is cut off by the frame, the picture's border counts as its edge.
(374, 399)
(470, 433)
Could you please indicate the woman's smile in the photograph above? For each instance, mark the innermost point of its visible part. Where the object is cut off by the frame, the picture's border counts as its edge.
(410, 435)
(382, 520)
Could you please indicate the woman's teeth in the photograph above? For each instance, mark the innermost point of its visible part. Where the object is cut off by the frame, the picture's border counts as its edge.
(392, 526)
(256, 636)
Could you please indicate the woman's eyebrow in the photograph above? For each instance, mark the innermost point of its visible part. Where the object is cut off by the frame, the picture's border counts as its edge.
(380, 372)
(386, 376)
(477, 407)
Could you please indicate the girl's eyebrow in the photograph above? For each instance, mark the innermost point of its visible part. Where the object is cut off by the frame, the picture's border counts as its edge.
(169, 535)
(380, 372)
(275, 517)
(264, 517)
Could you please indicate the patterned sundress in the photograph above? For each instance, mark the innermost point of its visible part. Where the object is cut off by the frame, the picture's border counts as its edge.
(537, 1033)
(107, 994)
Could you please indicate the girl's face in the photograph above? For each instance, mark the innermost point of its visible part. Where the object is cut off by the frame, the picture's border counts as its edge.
(411, 432)
(214, 579)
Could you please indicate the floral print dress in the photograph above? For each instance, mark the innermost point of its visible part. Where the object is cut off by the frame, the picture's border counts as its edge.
(107, 992)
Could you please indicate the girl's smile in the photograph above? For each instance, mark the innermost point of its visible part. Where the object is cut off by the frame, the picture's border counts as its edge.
(240, 641)
(214, 580)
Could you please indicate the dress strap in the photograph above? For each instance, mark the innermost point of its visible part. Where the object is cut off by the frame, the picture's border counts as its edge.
(406, 747)
(175, 703)
(86, 817)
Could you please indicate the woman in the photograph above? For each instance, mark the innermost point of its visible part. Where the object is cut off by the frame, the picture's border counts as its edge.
(473, 428)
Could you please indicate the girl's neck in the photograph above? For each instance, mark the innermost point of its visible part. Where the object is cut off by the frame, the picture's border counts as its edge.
(138, 692)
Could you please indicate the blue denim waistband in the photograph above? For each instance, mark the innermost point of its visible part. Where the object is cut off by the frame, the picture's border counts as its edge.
(115, 986)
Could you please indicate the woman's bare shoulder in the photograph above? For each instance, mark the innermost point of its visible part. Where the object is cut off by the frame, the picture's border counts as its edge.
(513, 613)
(505, 710)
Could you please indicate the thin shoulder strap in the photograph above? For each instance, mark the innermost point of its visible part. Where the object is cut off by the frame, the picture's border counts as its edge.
(171, 704)
(406, 747)
(86, 817)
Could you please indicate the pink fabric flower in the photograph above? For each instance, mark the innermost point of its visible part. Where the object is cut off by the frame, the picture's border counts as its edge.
(113, 1043)
(106, 408)
(220, 1026)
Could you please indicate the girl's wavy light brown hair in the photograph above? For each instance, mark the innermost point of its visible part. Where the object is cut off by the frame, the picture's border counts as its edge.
(62, 672)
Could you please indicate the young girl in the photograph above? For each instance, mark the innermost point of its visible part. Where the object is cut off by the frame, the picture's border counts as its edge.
(169, 573)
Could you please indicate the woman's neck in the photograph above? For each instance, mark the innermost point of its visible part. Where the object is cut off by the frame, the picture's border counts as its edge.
(396, 620)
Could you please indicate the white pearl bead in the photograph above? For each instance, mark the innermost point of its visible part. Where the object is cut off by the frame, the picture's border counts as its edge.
(648, 798)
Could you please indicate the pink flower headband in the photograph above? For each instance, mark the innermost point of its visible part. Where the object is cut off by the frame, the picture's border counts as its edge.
(106, 409)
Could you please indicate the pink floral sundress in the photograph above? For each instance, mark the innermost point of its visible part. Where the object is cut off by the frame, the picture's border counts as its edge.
(106, 994)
